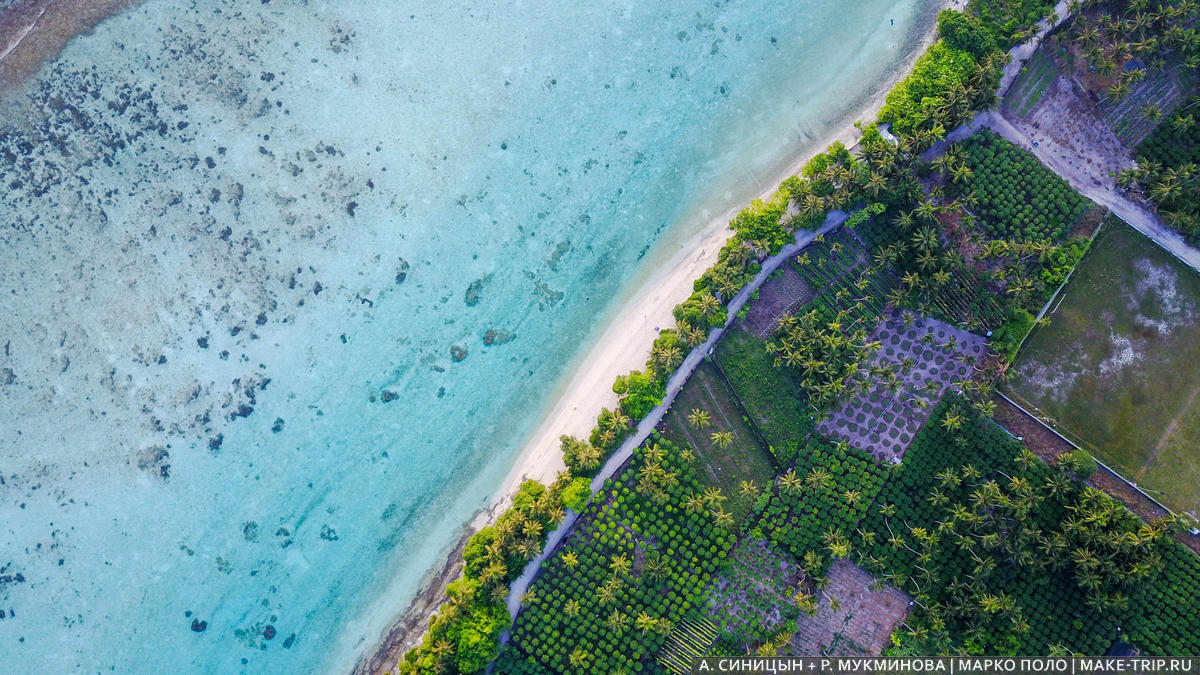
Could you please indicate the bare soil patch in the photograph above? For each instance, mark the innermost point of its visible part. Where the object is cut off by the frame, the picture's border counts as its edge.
(852, 619)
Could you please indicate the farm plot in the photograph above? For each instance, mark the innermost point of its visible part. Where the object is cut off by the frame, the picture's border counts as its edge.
(925, 358)
(847, 281)
(638, 560)
(853, 618)
(782, 295)
(1126, 115)
(1118, 368)
(726, 462)
(1038, 74)
(1019, 199)
(769, 393)
(752, 598)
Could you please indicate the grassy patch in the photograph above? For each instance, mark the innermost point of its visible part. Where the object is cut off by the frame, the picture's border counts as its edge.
(743, 459)
(768, 393)
(1035, 78)
(1118, 368)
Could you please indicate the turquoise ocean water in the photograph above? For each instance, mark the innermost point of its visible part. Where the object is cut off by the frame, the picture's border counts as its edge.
(286, 284)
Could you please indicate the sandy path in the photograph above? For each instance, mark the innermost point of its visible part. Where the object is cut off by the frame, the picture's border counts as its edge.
(1060, 161)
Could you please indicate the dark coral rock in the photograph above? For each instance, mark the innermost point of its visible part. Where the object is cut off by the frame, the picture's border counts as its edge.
(199, 626)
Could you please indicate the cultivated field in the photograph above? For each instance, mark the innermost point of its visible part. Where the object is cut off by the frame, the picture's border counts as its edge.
(1118, 368)
(927, 357)
(743, 459)
(853, 618)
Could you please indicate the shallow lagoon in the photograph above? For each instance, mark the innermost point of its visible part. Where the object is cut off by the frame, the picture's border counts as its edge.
(251, 257)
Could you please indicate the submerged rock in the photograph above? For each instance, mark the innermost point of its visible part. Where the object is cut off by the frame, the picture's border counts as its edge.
(497, 336)
(199, 626)
(458, 352)
(475, 289)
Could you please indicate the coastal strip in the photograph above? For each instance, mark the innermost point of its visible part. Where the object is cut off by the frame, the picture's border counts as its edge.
(803, 238)
(33, 32)
(622, 347)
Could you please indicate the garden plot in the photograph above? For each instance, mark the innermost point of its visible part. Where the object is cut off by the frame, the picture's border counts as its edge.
(926, 358)
(786, 292)
(852, 619)
(1038, 74)
(751, 596)
(1126, 115)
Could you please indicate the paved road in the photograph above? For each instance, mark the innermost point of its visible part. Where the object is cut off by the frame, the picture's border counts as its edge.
(674, 386)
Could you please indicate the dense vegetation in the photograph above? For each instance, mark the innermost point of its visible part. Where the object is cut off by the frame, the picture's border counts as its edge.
(1005, 555)
(1167, 169)
(632, 569)
(815, 506)
(462, 636)
(1002, 553)
(1011, 21)
(1018, 198)
(1157, 33)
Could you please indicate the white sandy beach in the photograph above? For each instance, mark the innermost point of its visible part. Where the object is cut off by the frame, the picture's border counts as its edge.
(625, 343)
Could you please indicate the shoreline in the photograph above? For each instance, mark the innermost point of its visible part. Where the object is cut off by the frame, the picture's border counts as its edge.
(34, 32)
(623, 345)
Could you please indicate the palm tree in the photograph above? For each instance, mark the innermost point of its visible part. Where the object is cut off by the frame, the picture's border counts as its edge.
(818, 477)
(617, 621)
(713, 496)
(722, 439)
(571, 608)
(749, 488)
(723, 517)
(570, 559)
(579, 658)
(645, 622)
(708, 304)
(656, 566)
(694, 335)
(790, 482)
(699, 418)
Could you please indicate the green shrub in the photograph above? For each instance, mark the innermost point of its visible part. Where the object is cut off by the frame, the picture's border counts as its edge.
(963, 31)
(1085, 464)
(576, 495)
(917, 98)
(639, 392)
(1019, 199)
